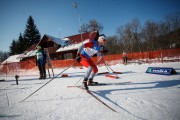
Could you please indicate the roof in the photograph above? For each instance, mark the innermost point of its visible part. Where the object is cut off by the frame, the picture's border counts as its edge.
(28, 52)
(60, 41)
(33, 47)
(67, 43)
(71, 47)
(76, 40)
(81, 37)
(32, 50)
(12, 59)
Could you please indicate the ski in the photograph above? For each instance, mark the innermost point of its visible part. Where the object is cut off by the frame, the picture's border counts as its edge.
(102, 73)
(112, 76)
(117, 72)
(108, 72)
(94, 96)
(73, 86)
(103, 84)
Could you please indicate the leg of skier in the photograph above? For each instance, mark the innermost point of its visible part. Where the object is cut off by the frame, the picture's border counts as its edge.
(44, 71)
(88, 63)
(40, 71)
(91, 77)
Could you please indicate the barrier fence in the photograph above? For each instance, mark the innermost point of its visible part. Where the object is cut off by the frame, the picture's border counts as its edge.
(138, 57)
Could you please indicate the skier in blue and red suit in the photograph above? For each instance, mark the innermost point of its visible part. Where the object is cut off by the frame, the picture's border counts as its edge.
(84, 54)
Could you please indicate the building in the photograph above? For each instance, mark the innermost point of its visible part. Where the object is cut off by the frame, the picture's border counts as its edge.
(69, 51)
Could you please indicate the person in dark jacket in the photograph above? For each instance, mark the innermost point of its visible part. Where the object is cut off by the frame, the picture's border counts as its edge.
(125, 57)
(41, 61)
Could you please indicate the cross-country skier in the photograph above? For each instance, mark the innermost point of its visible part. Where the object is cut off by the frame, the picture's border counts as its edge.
(41, 61)
(84, 54)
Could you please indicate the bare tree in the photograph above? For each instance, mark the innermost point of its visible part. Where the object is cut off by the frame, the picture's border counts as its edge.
(136, 29)
(129, 36)
(84, 28)
(150, 34)
(172, 23)
(113, 46)
(94, 26)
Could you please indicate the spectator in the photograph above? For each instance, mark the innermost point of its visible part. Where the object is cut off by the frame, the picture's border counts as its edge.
(125, 58)
(41, 62)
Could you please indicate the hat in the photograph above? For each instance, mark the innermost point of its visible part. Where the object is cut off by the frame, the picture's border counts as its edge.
(39, 47)
(102, 37)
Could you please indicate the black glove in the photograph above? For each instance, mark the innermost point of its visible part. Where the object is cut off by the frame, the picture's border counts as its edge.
(78, 58)
(104, 51)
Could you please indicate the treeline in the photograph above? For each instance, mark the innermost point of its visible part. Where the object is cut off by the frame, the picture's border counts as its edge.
(30, 36)
(132, 37)
(3, 55)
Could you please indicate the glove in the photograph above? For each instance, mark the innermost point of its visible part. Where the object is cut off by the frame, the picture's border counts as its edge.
(78, 58)
(104, 51)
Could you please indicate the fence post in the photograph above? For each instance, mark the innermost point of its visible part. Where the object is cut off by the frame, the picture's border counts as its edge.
(16, 79)
(161, 57)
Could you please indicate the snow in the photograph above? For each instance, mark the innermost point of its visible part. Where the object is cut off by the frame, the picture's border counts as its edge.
(12, 59)
(136, 95)
(27, 54)
(62, 41)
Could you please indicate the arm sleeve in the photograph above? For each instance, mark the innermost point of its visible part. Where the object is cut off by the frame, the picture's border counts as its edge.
(44, 55)
(100, 53)
(79, 49)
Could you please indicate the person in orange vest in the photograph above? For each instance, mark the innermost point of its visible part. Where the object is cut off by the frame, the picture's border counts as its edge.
(84, 54)
(41, 61)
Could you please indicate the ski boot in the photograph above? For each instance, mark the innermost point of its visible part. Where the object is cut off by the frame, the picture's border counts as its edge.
(41, 76)
(44, 76)
(92, 83)
(85, 86)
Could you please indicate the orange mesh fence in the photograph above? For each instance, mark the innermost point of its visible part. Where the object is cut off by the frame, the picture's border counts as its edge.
(62, 63)
(17, 67)
(111, 59)
(154, 54)
(28, 64)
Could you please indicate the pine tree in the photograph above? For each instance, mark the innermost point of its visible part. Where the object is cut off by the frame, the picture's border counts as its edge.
(22, 44)
(31, 33)
(14, 48)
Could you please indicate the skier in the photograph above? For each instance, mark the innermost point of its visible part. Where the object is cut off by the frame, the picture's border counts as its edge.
(84, 54)
(41, 61)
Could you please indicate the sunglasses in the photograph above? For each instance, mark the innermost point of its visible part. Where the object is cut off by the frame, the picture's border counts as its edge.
(104, 40)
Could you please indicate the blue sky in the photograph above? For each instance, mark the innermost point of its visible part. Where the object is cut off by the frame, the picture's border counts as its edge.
(50, 15)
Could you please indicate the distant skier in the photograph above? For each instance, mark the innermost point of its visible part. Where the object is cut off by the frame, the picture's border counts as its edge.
(125, 57)
(84, 54)
(41, 61)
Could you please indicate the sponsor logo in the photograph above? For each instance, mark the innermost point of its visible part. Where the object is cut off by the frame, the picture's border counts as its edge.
(160, 71)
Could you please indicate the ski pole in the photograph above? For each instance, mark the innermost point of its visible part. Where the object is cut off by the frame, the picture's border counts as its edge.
(47, 82)
(108, 65)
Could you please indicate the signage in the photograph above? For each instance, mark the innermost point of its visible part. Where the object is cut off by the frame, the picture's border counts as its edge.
(161, 70)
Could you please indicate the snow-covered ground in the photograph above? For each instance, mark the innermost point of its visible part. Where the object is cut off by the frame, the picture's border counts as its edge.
(135, 95)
